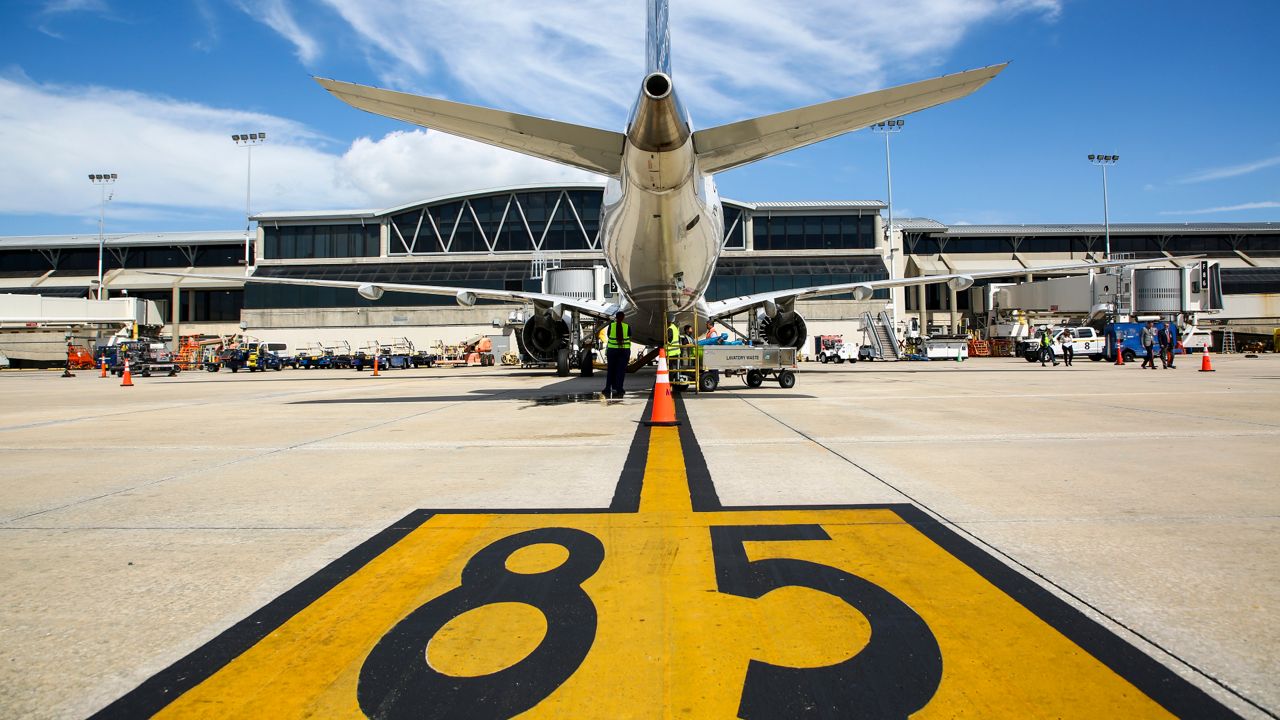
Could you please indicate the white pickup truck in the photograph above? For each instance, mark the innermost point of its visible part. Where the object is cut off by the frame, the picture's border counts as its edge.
(1085, 341)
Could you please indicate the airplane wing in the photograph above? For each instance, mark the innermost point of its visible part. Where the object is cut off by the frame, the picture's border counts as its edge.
(598, 151)
(864, 290)
(465, 296)
(728, 146)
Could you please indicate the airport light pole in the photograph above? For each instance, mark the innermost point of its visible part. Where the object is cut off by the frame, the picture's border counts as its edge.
(887, 128)
(102, 181)
(1103, 161)
(247, 141)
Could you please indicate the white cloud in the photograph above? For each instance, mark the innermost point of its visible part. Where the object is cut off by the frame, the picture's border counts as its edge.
(55, 8)
(176, 159)
(277, 16)
(1226, 208)
(579, 61)
(1230, 171)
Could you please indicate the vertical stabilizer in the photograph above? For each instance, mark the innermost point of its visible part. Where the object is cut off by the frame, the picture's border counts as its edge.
(657, 39)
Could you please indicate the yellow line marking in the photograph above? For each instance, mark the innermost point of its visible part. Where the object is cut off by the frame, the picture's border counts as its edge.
(668, 642)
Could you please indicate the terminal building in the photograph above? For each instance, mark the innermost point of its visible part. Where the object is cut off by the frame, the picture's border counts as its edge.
(505, 238)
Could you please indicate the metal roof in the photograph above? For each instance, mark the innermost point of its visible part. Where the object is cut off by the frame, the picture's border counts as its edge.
(918, 224)
(90, 240)
(367, 213)
(357, 214)
(818, 205)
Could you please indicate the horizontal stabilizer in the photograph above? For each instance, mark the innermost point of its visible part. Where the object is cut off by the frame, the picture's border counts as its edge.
(583, 147)
(728, 146)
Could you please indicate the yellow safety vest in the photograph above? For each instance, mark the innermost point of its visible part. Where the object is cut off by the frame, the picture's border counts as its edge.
(673, 341)
(619, 343)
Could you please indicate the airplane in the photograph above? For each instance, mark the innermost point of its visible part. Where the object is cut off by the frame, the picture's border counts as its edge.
(661, 224)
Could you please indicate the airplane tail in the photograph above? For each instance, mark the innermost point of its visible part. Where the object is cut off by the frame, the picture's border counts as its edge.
(657, 39)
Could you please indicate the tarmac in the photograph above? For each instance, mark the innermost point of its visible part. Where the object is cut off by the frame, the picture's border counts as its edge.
(987, 538)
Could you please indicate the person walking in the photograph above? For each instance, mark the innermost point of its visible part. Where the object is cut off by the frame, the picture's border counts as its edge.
(1046, 348)
(1168, 343)
(617, 354)
(1068, 352)
(1148, 340)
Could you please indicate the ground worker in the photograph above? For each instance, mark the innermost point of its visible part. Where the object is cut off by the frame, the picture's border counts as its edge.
(617, 355)
(1046, 348)
(673, 344)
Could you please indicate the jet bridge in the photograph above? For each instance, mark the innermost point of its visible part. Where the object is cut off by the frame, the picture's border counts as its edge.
(1124, 294)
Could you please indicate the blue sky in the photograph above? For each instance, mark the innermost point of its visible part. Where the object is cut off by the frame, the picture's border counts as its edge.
(153, 90)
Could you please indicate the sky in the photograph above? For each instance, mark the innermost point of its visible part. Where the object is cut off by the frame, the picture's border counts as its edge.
(1185, 94)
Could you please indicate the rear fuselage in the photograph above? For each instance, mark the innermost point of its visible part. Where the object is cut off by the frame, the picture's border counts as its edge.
(662, 224)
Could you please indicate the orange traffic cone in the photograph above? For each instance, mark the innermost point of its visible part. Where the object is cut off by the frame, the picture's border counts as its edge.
(1119, 356)
(104, 366)
(127, 380)
(664, 405)
(375, 364)
(1205, 365)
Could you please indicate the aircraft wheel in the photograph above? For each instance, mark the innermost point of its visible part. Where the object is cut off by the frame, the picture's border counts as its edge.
(786, 379)
(755, 378)
(586, 364)
(562, 362)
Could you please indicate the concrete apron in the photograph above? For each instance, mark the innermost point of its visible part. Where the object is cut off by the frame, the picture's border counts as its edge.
(872, 538)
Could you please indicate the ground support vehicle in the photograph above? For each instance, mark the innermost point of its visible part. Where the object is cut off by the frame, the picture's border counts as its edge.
(1126, 338)
(946, 347)
(146, 357)
(832, 348)
(422, 358)
(262, 356)
(753, 363)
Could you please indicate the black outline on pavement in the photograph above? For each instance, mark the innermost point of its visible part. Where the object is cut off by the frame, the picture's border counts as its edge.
(1148, 675)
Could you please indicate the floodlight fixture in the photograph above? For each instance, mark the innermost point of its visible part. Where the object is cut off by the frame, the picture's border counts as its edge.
(102, 180)
(1103, 161)
(887, 128)
(247, 141)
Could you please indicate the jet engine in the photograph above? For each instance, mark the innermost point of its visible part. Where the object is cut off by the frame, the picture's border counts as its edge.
(542, 337)
(786, 328)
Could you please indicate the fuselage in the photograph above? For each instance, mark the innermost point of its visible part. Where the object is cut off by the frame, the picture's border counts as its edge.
(662, 225)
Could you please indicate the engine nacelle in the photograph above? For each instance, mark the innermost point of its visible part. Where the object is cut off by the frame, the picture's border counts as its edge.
(465, 298)
(369, 291)
(786, 328)
(543, 336)
(964, 282)
(863, 292)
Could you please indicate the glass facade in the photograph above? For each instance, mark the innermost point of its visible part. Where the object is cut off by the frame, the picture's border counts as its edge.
(70, 261)
(814, 232)
(528, 221)
(737, 276)
(320, 241)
